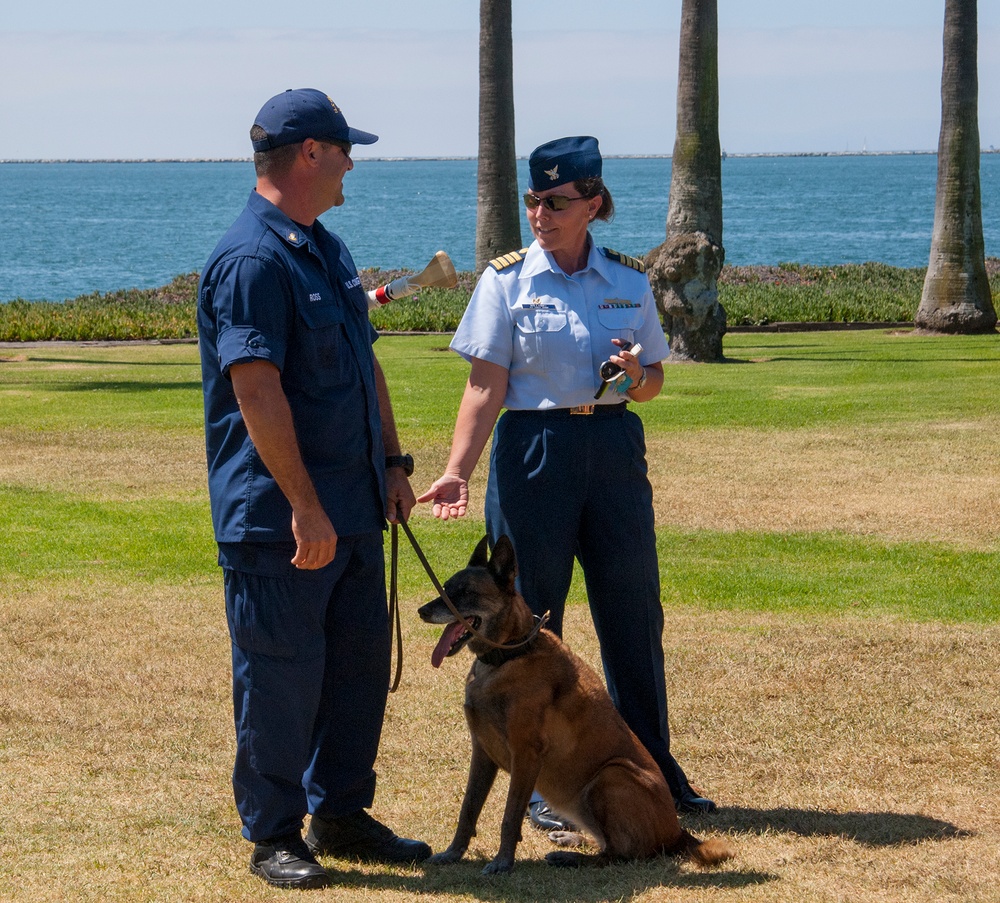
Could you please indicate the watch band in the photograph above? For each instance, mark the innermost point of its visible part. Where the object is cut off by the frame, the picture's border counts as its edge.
(404, 461)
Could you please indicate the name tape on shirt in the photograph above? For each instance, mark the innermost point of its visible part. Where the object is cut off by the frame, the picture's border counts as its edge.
(618, 304)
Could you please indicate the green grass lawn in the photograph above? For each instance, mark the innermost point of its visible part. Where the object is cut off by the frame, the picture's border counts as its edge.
(827, 514)
(103, 478)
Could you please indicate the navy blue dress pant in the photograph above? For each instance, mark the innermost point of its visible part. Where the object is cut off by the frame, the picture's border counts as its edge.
(310, 680)
(568, 486)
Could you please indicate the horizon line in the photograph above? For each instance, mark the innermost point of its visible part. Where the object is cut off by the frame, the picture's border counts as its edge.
(461, 158)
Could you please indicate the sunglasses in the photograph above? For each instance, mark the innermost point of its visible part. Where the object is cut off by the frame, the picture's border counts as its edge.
(345, 146)
(553, 202)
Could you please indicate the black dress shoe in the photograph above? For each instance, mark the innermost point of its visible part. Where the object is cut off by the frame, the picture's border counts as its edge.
(692, 801)
(286, 862)
(360, 836)
(543, 818)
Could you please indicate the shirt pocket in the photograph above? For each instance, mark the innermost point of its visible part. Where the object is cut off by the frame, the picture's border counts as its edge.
(326, 354)
(540, 333)
(620, 322)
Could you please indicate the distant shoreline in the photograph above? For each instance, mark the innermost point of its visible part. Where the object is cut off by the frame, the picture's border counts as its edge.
(725, 155)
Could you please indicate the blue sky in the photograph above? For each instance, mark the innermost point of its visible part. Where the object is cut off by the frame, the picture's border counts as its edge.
(127, 80)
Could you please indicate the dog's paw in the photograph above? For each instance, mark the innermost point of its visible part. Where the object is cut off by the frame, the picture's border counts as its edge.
(567, 838)
(445, 857)
(499, 866)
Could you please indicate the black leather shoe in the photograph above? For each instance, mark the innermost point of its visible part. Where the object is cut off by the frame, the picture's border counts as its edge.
(692, 801)
(543, 818)
(286, 862)
(360, 836)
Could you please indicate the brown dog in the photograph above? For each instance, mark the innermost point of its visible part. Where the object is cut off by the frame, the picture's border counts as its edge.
(541, 714)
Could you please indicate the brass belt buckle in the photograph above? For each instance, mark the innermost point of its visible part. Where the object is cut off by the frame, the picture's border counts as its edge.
(582, 409)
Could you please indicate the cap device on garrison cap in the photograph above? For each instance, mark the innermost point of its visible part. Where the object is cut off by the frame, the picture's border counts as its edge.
(564, 160)
(293, 116)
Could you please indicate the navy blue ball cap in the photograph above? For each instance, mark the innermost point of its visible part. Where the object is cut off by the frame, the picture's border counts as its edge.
(563, 160)
(293, 116)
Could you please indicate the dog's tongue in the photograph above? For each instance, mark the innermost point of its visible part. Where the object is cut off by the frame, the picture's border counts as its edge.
(451, 633)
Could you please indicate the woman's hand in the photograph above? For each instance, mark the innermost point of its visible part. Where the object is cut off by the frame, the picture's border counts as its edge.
(481, 403)
(450, 495)
(627, 361)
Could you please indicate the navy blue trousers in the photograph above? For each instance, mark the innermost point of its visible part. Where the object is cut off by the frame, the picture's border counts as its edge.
(310, 680)
(567, 486)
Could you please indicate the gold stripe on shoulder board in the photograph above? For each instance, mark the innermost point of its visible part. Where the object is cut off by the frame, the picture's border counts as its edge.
(506, 260)
(625, 260)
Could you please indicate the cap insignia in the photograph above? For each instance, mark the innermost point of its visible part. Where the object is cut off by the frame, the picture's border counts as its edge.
(553, 173)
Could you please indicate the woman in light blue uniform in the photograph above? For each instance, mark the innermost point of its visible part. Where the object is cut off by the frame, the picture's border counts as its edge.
(568, 469)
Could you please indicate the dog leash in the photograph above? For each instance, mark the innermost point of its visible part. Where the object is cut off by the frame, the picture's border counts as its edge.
(394, 610)
(394, 613)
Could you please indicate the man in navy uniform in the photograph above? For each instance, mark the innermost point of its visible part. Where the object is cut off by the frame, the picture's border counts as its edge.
(304, 468)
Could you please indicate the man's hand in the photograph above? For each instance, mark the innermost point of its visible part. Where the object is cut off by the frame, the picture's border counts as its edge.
(399, 495)
(315, 540)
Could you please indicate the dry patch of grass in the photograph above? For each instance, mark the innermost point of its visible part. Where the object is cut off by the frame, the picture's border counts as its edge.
(852, 759)
(906, 482)
(103, 463)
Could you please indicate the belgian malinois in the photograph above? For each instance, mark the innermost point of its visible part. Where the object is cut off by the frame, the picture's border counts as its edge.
(543, 715)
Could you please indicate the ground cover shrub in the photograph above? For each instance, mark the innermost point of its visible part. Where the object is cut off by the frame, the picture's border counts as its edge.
(752, 296)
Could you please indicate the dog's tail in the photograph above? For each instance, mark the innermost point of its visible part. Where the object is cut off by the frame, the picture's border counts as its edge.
(705, 853)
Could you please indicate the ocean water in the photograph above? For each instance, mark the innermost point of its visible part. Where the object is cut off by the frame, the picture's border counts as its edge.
(68, 229)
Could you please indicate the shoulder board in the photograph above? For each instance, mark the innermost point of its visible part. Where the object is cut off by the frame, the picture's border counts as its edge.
(501, 263)
(625, 260)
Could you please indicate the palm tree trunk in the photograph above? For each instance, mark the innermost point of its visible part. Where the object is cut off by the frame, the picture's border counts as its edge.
(956, 296)
(498, 216)
(684, 270)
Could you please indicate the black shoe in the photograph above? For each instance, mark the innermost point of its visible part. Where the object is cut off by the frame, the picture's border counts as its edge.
(692, 801)
(360, 836)
(543, 818)
(286, 862)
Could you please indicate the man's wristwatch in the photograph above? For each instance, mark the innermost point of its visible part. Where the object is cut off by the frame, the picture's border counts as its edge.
(404, 461)
(641, 381)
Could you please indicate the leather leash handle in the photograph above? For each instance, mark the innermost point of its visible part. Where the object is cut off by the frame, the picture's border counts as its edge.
(394, 610)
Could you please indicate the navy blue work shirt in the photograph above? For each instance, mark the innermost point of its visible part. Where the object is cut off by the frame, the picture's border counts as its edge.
(273, 291)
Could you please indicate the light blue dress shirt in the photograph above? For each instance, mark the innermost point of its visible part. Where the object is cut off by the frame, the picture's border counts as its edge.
(552, 331)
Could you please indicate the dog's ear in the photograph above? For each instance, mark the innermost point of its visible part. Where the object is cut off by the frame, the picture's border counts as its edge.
(503, 564)
(478, 559)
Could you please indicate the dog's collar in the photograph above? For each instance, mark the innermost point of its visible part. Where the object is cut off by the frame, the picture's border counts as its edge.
(498, 657)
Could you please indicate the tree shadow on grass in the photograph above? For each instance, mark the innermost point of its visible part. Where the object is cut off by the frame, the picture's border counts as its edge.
(103, 362)
(129, 387)
(877, 829)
